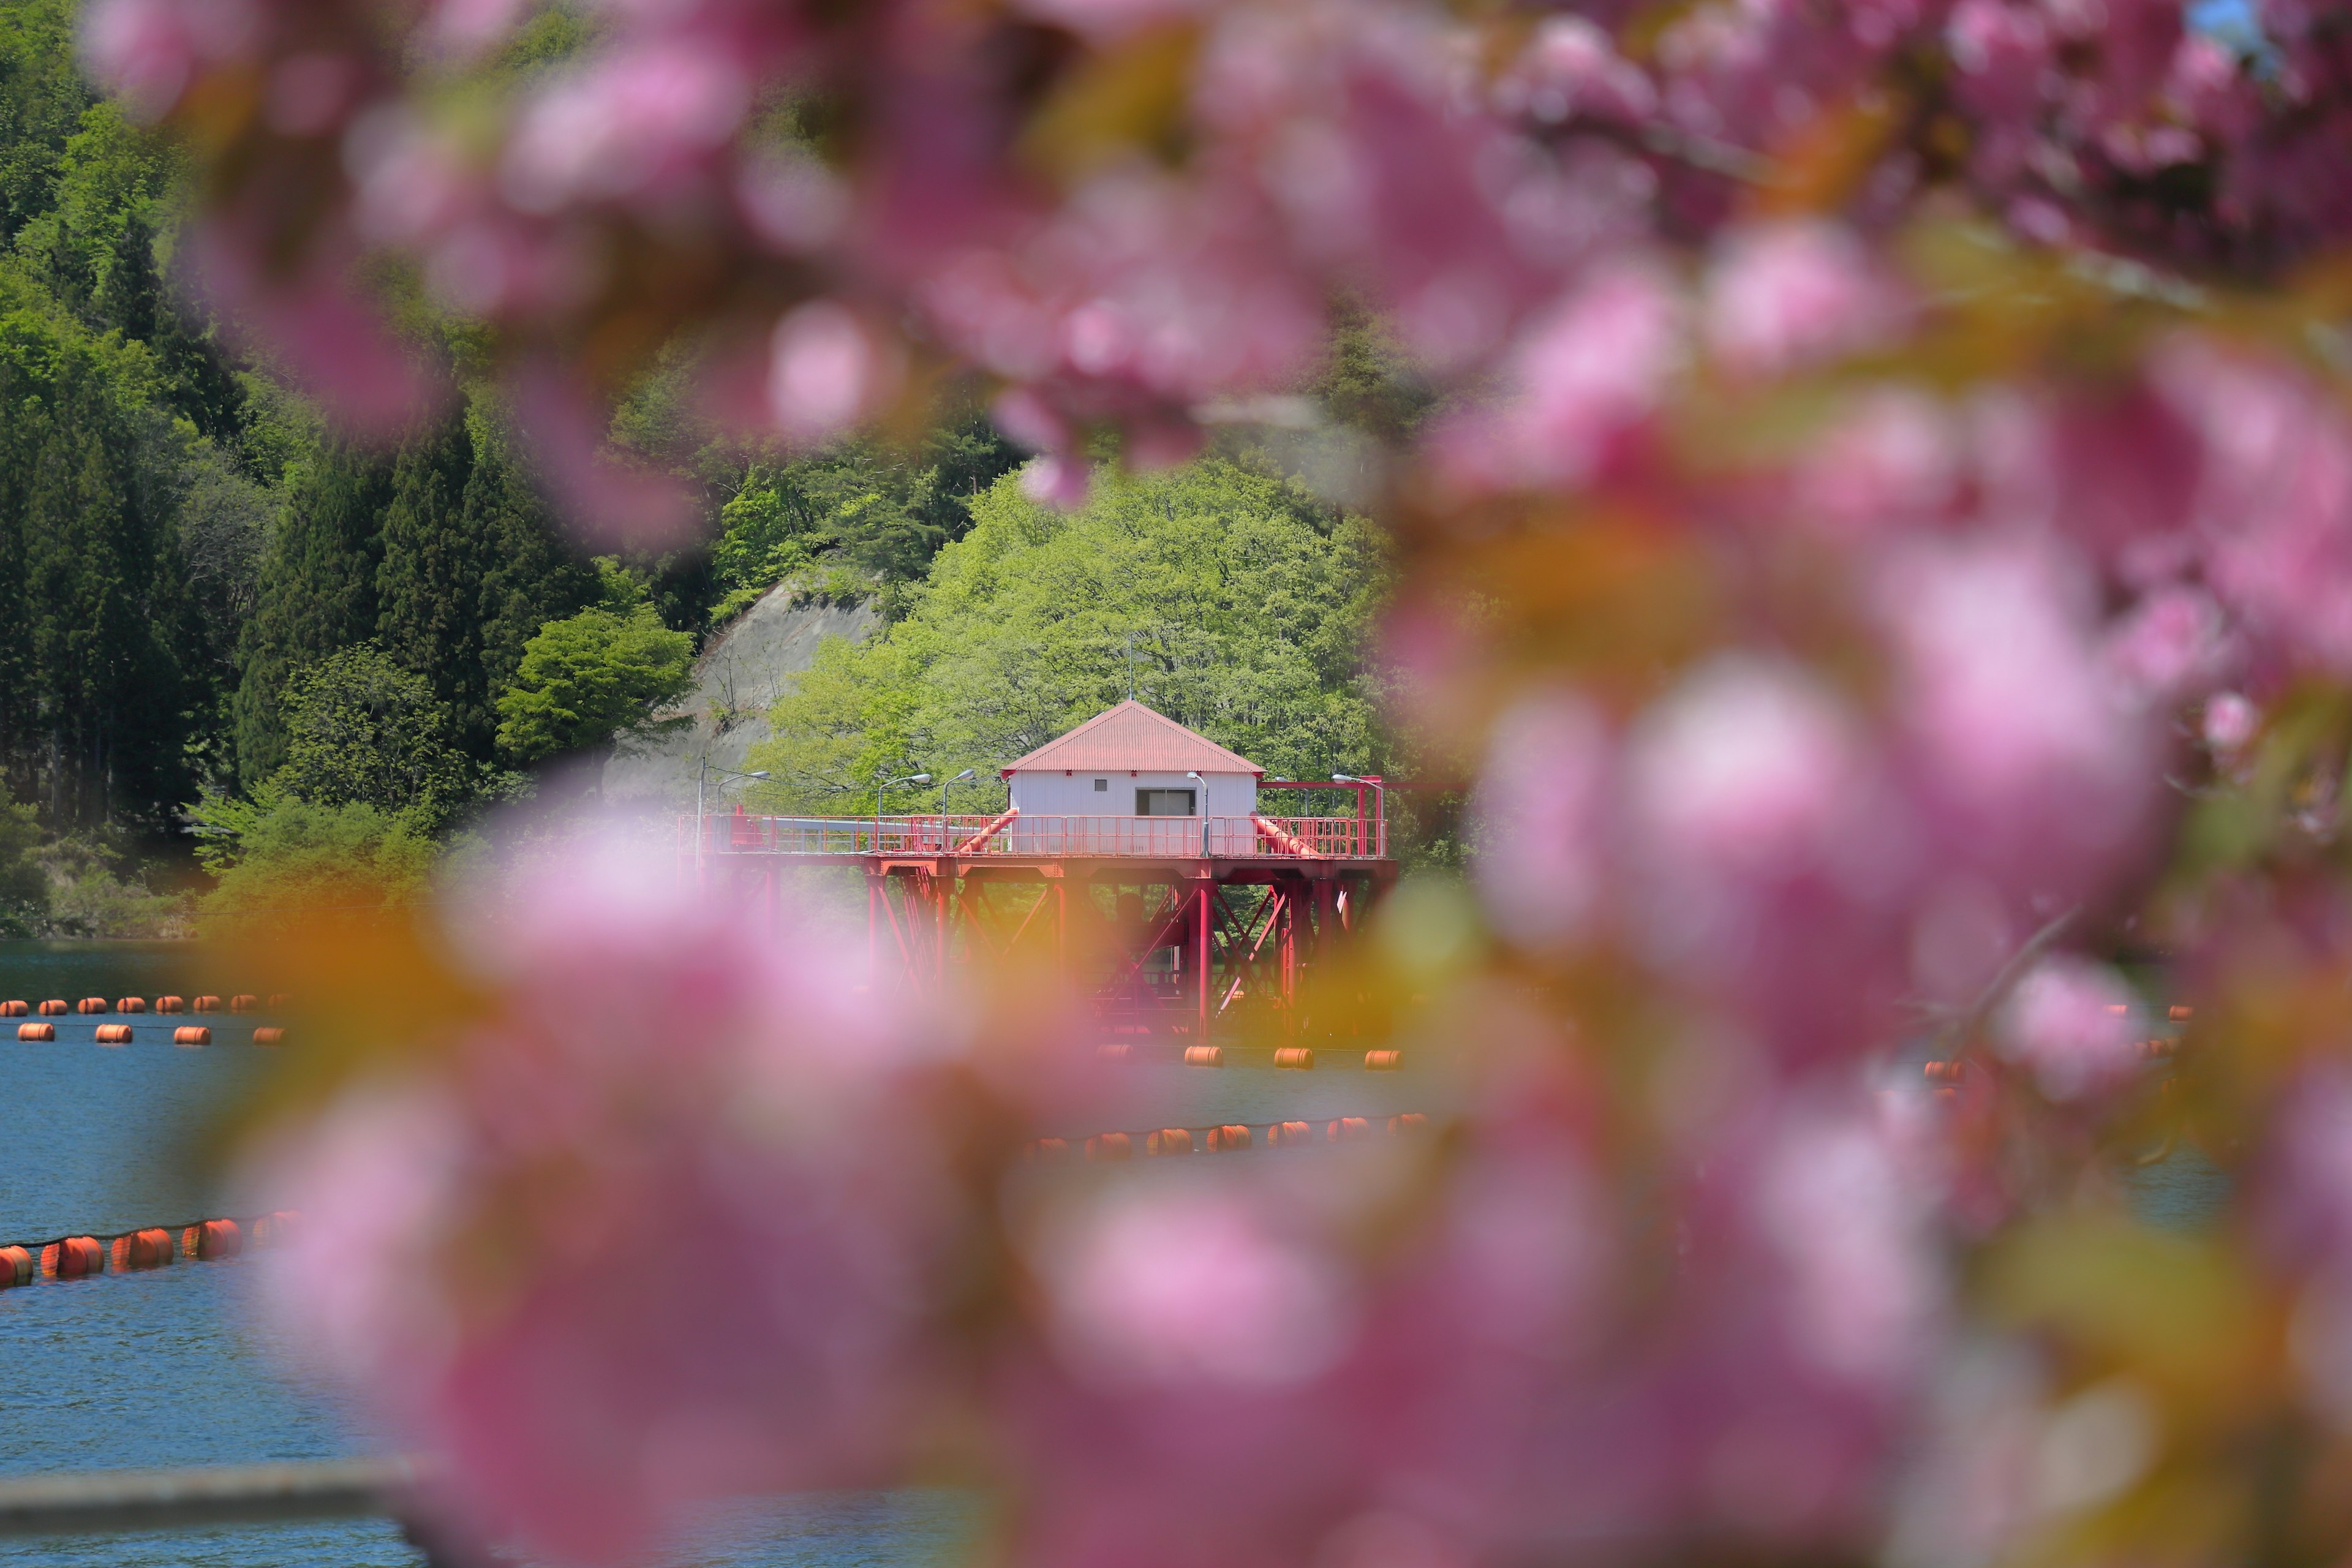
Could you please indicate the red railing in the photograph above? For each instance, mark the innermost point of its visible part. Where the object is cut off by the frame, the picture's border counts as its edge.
(1011, 834)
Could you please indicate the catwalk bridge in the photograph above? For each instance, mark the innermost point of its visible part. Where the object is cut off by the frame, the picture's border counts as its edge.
(1196, 913)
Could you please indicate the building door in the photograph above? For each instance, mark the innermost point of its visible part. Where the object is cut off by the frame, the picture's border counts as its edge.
(1164, 803)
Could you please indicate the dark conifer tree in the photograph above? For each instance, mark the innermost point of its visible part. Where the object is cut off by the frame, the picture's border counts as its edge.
(318, 592)
(533, 576)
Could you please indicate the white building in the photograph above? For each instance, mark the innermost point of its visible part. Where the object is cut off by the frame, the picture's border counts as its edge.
(1130, 762)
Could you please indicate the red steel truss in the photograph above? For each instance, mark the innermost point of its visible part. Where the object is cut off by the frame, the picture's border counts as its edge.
(1182, 928)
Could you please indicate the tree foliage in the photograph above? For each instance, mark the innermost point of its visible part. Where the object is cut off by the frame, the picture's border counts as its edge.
(1245, 602)
(360, 730)
(591, 677)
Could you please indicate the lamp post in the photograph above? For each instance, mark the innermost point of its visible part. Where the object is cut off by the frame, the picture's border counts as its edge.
(883, 785)
(1203, 798)
(1380, 803)
(702, 772)
(947, 842)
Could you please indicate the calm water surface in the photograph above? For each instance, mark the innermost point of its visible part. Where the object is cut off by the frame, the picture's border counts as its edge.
(177, 1366)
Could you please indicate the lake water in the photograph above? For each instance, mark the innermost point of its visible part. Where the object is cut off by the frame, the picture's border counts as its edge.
(173, 1366)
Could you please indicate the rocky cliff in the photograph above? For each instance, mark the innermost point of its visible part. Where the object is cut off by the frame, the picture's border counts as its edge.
(740, 674)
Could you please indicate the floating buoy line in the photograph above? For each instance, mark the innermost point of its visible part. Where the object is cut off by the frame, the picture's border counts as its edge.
(149, 1247)
(1223, 1138)
(38, 1030)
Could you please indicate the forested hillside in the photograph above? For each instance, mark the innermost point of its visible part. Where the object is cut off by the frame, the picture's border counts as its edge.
(230, 630)
(1232, 600)
(187, 549)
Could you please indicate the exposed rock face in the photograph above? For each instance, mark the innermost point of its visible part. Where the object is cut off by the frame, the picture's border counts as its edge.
(740, 676)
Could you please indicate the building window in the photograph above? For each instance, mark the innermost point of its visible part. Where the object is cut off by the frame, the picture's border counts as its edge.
(1164, 803)
(1102, 786)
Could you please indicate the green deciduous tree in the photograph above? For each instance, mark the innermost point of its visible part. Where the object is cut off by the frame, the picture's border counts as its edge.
(872, 513)
(1247, 603)
(589, 678)
(360, 730)
(281, 861)
(23, 889)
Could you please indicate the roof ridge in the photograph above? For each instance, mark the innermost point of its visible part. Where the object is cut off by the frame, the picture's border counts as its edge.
(1039, 758)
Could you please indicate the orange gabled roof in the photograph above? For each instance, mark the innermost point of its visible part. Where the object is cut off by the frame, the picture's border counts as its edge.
(1132, 737)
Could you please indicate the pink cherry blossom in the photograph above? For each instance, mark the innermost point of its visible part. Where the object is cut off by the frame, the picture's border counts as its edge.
(1581, 377)
(1791, 296)
(827, 371)
(2074, 1025)
(1542, 809)
(659, 1072)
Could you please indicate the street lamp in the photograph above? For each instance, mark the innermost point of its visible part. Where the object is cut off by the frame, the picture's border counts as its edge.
(1380, 802)
(946, 840)
(703, 769)
(883, 785)
(1203, 798)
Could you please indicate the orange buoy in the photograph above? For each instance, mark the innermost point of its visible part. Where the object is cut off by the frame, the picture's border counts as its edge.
(1047, 1149)
(219, 1238)
(1942, 1072)
(37, 1031)
(17, 1267)
(1169, 1141)
(148, 1248)
(1408, 1122)
(91, 1004)
(1118, 1052)
(55, 1007)
(191, 1035)
(279, 1001)
(245, 1002)
(1110, 1146)
(48, 1262)
(1384, 1061)
(170, 1004)
(1204, 1056)
(114, 1034)
(2180, 1015)
(1223, 1140)
(78, 1256)
(205, 1004)
(1295, 1059)
(269, 1035)
(275, 1229)
(189, 1237)
(1346, 1128)
(132, 1004)
(1283, 1133)
(16, 1010)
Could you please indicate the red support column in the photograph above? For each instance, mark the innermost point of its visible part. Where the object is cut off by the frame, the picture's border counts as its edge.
(944, 890)
(1201, 937)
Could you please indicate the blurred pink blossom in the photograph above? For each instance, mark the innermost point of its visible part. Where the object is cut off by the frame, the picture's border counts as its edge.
(1892, 462)
(2174, 645)
(2230, 723)
(1571, 68)
(1793, 295)
(1543, 819)
(827, 371)
(1771, 859)
(660, 1074)
(2076, 1025)
(2038, 772)
(1580, 379)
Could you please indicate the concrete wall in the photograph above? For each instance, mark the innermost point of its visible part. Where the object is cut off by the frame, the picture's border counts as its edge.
(1057, 794)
